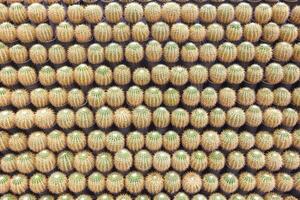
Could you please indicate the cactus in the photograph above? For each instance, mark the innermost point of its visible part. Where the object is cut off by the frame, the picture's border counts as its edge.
(113, 12)
(56, 13)
(44, 33)
(123, 160)
(76, 54)
(102, 32)
(37, 13)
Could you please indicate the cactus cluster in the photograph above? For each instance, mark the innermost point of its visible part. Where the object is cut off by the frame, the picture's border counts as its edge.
(140, 99)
